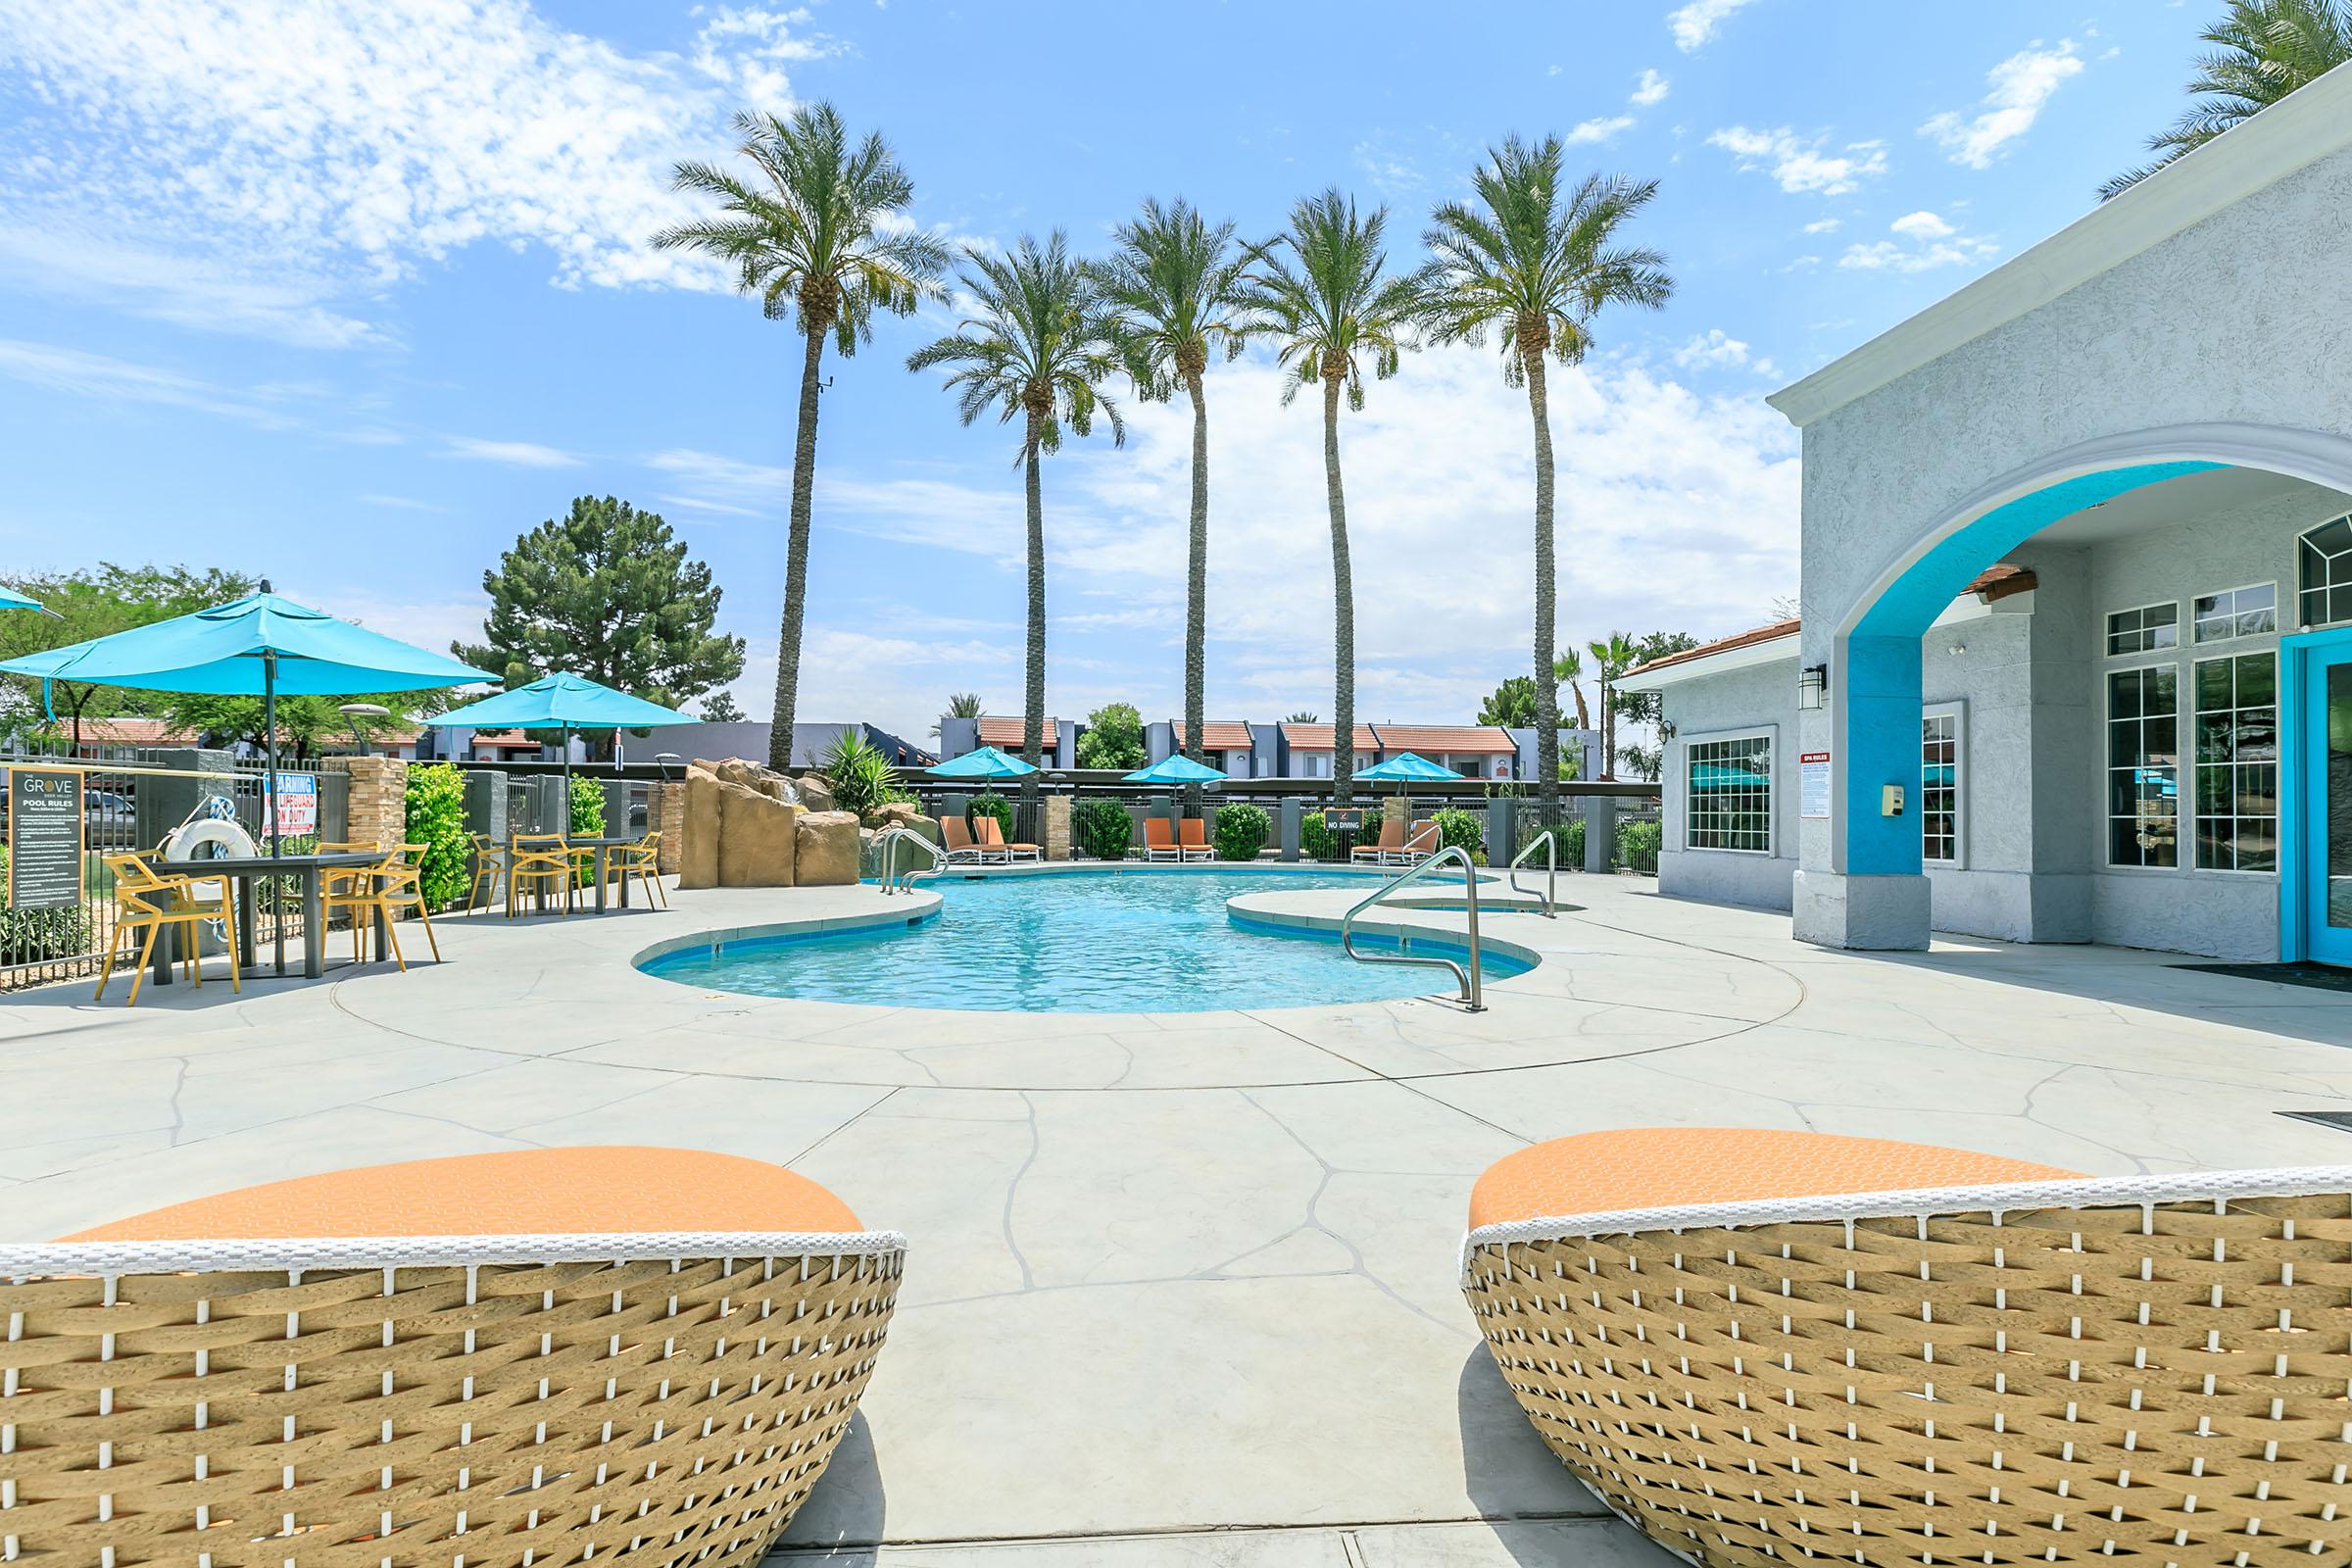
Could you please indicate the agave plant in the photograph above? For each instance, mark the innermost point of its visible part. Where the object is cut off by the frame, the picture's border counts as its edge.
(864, 781)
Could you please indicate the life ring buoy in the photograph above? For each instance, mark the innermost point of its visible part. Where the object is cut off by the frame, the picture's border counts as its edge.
(209, 838)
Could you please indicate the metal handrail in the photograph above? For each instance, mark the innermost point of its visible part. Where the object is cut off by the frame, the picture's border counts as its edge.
(1468, 977)
(886, 853)
(1552, 868)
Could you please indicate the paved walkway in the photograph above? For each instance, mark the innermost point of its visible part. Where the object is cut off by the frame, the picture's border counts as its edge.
(1181, 1288)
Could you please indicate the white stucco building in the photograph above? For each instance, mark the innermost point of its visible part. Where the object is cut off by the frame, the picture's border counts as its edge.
(2075, 659)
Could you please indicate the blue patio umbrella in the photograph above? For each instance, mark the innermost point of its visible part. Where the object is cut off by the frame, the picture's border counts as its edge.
(565, 702)
(985, 764)
(10, 599)
(1175, 768)
(257, 645)
(1408, 768)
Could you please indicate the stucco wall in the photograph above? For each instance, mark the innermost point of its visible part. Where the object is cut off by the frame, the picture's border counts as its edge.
(1762, 697)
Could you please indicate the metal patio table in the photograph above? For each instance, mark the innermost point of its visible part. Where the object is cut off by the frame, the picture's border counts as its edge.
(604, 846)
(309, 869)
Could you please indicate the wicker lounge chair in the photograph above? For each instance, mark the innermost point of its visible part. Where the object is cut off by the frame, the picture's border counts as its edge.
(1772, 1348)
(654, 1362)
(1160, 840)
(992, 837)
(1391, 840)
(1191, 839)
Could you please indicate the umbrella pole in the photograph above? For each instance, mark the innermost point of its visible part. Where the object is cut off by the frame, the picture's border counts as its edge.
(277, 924)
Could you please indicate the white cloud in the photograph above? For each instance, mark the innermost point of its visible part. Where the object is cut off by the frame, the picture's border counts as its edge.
(1592, 130)
(1822, 225)
(1391, 173)
(1932, 242)
(2020, 85)
(97, 375)
(518, 454)
(1712, 347)
(402, 502)
(261, 166)
(1651, 89)
(1694, 23)
(1799, 164)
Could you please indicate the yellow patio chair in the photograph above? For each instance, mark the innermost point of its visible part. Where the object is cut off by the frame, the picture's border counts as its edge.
(489, 865)
(535, 860)
(384, 889)
(336, 881)
(147, 900)
(642, 860)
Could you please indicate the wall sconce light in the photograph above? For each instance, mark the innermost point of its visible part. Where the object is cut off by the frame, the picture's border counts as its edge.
(1812, 685)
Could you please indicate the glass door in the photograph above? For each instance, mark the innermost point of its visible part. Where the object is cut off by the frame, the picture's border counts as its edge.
(2327, 738)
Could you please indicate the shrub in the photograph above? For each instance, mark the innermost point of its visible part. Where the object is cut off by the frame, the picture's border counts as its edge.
(1315, 841)
(1103, 829)
(587, 814)
(1637, 845)
(436, 819)
(996, 805)
(1242, 830)
(1458, 828)
(862, 779)
(1568, 853)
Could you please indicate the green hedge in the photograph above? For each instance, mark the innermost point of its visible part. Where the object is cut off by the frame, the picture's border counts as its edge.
(1103, 829)
(436, 819)
(1315, 841)
(1461, 829)
(1637, 846)
(996, 805)
(1242, 831)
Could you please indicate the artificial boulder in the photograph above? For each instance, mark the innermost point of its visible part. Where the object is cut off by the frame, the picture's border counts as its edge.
(825, 853)
(698, 836)
(817, 792)
(909, 857)
(758, 841)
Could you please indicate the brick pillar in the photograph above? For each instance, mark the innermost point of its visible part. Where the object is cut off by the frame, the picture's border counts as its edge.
(1057, 842)
(376, 810)
(665, 815)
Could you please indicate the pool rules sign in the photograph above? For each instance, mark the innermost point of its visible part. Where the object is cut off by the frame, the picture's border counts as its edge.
(44, 838)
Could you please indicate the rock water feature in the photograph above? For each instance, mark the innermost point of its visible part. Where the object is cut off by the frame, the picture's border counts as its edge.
(749, 826)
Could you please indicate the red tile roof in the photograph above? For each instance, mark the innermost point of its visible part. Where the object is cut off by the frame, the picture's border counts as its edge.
(129, 731)
(1219, 735)
(1005, 734)
(1434, 740)
(1317, 737)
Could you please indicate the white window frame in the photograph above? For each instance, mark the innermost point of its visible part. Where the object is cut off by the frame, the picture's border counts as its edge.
(2188, 750)
(1957, 712)
(2182, 747)
(2326, 593)
(1770, 735)
(2234, 635)
(2107, 649)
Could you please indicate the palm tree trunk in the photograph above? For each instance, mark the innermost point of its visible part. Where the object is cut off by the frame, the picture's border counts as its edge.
(1343, 608)
(1196, 595)
(1033, 697)
(1547, 694)
(1609, 730)
(796, 558)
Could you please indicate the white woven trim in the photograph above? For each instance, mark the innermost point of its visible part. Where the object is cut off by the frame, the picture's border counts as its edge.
(2073, 1192)
(48, 1259)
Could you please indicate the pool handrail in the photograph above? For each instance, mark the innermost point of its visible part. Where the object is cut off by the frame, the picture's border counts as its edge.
(1468, 977)
(886, 855)
(1552, 868)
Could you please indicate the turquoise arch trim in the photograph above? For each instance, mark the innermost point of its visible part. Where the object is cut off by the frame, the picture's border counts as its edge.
(2302, 779)
(1879, 658)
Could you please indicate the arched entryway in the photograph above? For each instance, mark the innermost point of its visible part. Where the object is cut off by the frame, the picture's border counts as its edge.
(2199, 756)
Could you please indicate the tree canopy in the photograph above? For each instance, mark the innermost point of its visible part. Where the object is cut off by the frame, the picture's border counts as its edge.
(1113, 737)
(1513, 705)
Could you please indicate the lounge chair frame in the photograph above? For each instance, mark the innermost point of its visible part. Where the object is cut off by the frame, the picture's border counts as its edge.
(1191, 839)
(1160, 840)
(992, 837)
(2148, 1370)
(491, 1400)
(965, 849)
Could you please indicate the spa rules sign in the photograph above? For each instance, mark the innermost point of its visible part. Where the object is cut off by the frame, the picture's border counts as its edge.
(44, 838)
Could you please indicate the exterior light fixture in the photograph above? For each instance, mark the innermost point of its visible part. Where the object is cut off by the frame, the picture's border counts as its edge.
(1812, 685)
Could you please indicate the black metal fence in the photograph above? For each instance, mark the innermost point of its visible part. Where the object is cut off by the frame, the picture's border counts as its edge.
(132, 801)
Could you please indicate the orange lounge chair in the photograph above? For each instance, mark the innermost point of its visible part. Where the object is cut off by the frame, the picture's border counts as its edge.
(1391, 841)
(960, 847)
(1191, 839)
(992, 837)
(1159, 841)
(1423, 844)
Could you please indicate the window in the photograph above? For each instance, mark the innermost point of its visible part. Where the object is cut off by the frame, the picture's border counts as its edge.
(2236, 613)
(2238, 764)
(1939, 786)
(2143, 767)
(1729, 801)
(2144, 631)
(2323, 562)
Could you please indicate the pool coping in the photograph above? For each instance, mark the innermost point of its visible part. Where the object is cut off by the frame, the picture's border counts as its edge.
(923, 906)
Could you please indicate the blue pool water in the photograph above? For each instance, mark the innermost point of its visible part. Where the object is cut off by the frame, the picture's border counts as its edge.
(1075, 942)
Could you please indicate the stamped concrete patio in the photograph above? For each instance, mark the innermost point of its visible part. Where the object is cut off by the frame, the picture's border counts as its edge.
(1181, 1286)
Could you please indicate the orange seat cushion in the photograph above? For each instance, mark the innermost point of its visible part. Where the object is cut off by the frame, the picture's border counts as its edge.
(1659, 1167)
(527, 1192)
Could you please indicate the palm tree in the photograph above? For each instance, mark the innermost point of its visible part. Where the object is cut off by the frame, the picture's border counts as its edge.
(1614, 655)
(2262, 50)
(808, 235)
(960, 705)
(1569, 667)
(1039, 346)
(1175, 286)
(1334, 316)
(1538, 262)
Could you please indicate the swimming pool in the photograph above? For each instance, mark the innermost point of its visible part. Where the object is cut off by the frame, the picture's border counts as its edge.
(1135, 941)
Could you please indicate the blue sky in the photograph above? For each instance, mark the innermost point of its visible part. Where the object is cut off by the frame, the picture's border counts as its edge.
(284, 288)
